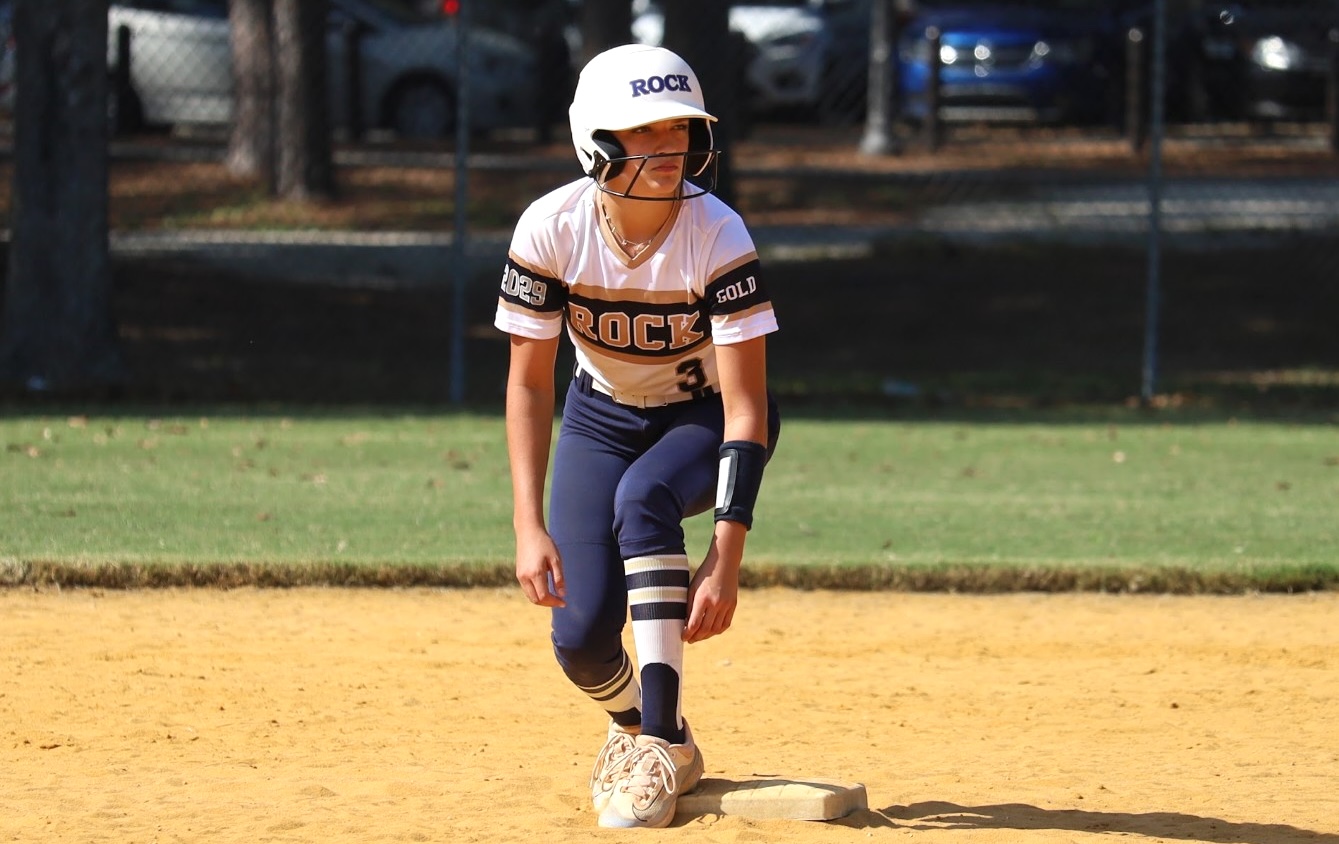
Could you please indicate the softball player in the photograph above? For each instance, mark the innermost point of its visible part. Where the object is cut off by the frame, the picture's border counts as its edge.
(668, 413)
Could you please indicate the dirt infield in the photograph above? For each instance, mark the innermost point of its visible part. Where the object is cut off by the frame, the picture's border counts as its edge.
(329, 715)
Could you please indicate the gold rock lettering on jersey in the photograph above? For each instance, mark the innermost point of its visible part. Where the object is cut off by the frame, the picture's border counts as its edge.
(648, 332)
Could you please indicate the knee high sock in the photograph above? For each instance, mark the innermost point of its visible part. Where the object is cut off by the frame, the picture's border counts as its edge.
(621, 697)
(658, 600)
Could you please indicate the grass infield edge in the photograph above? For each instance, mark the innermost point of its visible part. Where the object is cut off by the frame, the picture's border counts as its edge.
(968, 579)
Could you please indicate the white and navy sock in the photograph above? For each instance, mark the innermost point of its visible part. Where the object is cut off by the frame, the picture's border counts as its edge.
(621, 697)
(658, 601)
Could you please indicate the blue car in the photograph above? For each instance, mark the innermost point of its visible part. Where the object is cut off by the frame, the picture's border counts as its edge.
(1044, 63)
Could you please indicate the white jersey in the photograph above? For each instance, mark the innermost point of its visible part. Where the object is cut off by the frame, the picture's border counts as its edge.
(646, 326)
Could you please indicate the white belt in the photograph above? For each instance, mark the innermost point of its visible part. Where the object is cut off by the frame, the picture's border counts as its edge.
(644, 402)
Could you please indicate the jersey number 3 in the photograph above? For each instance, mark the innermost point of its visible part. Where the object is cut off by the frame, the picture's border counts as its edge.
(692, 377)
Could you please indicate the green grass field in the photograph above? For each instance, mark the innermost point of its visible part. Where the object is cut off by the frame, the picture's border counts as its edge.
(349, 497)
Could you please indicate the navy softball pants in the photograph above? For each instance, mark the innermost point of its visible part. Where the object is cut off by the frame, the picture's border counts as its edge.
(623, 481)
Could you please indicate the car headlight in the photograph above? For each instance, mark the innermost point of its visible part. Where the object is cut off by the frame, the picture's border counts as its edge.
(1275, 53)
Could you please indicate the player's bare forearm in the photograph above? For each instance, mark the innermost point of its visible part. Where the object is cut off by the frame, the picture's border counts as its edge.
(538, 563)
(539, 567)
(529, 434)
(529, 423)
(713, 593)
(530, 403)
(743, 374)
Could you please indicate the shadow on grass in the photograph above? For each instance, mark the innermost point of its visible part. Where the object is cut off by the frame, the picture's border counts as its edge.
(918, 330)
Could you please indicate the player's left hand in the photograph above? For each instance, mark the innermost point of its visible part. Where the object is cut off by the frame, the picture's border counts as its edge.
(712, 598)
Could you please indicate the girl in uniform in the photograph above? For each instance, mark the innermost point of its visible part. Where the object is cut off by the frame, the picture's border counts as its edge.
(657, 284)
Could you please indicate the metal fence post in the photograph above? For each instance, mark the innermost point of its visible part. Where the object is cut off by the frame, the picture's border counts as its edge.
(932, 129)
(1153, 287)
(122, 119)
(1135, 126)
(460, 273)
(352, 34)
(1332, 90)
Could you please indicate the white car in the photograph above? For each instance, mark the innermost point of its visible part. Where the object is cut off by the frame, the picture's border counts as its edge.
(181, 67)
(408, 66)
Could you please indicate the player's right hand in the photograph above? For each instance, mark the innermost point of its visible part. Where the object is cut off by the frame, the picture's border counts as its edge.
(539, 570)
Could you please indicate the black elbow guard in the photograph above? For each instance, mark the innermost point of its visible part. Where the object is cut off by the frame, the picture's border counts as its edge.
(740, 479)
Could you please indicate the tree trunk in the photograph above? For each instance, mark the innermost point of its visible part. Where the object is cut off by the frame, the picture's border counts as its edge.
(251, 144)
(881, 92)
(604, 24)
(305, 170)
(699, 31)
(57, 334)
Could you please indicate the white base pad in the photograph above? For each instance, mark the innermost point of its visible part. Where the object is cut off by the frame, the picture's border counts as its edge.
(773, 798)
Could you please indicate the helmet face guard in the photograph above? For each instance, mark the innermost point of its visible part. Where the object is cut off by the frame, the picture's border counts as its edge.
(632, 86)
(699, 164)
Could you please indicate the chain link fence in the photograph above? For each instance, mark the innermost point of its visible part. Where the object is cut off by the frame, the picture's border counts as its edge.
(1129, 171)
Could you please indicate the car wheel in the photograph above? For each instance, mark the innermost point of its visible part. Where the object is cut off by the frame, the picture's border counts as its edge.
(422, 108)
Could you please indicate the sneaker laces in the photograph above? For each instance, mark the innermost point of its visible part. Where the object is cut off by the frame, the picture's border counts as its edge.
(612, 761)
(650, 769)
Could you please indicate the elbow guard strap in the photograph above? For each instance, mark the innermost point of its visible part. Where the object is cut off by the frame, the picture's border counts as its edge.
(740, 479)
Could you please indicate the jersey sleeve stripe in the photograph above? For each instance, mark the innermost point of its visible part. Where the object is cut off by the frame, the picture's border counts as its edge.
(525, 289)
(528, 267)
(741, 261)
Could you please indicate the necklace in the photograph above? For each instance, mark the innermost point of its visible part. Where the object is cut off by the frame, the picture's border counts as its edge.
(632, 248)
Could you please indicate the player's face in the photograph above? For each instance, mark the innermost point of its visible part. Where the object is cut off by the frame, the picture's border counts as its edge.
(666, 141)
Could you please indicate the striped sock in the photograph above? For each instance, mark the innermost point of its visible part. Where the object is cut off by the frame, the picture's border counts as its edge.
(621, 697)
(658, 599)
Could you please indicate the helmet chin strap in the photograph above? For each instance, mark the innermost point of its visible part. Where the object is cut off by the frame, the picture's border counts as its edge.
(709, 168)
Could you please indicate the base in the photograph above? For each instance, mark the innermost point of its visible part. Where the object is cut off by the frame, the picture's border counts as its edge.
(775, 798)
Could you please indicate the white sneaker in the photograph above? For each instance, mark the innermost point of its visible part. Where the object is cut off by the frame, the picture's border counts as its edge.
(656, 773)
(609, 765)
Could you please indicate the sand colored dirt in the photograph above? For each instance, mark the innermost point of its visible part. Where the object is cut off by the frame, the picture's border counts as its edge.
(332, 716)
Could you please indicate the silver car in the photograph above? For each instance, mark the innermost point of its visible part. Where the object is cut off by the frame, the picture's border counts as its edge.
(181, 67)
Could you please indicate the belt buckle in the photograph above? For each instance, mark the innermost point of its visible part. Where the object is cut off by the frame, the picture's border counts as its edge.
(640, 402)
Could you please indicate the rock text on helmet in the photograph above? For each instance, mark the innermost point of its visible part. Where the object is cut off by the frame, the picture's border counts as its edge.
(658, 84)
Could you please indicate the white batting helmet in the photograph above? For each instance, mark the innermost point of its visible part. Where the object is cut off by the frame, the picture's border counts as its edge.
(631, 86)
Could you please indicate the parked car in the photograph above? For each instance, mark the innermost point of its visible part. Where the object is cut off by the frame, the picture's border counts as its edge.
(1037, 62)
(1026, 60)
(794, 49)
(409, 71)
(550, 28)
(1259, 60)
(180, 63)
(181, 67)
